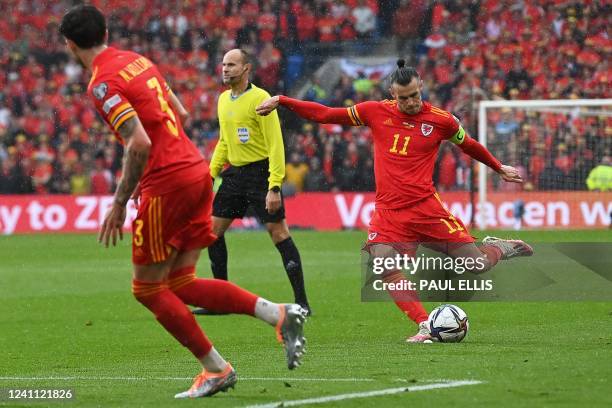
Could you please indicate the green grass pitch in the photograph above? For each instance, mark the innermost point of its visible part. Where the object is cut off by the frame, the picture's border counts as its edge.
(68, 320)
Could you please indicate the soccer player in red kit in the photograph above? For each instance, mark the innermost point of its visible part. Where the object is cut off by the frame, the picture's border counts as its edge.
(407, 135)
(173, 222)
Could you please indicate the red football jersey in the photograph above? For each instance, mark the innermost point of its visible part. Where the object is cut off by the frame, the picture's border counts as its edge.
(405, 148)
(125, 84)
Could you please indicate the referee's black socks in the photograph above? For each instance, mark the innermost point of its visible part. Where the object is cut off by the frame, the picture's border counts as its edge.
(217, 253)
(293, 266)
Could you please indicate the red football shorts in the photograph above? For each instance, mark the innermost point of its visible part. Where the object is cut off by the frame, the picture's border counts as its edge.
(428, 221)
(180, 219)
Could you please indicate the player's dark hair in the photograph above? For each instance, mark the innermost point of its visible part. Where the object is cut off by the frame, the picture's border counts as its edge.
(403, 75)
(85, 25)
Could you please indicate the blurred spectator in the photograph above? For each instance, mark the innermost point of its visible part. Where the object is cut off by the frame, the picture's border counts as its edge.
(268, 72)
(435, 40)
(60, 179)
(363, 85)
(5, 114)
(41, 174)
(366, 180)
(315, 179)
(517, 77)
(563, 161)
(339, 10)
(328, 26)
(600, 178)
(18, 178)
(80, 183)
(316, 93)
(518, 212)
(266, 23)
(506, 128)
(552, 178)
(346, 176)
(4, 177)
(365, 20)
(295, 172)
(101, 177)
(306, 24)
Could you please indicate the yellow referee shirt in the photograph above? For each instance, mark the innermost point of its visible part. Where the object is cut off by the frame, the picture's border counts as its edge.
(245, 137)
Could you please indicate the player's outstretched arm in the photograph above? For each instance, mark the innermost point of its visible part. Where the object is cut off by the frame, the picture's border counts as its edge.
(478, 152)
(308, 110)
(135, 156)
(267, 106)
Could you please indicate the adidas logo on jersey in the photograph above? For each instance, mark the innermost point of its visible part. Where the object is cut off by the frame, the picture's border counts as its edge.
(388, 122)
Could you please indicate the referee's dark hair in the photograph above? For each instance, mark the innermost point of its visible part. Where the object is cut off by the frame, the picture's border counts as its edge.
(84, 25)
(403, 75)
(246, 57)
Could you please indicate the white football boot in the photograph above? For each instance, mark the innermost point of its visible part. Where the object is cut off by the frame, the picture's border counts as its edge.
(510, 248)
(290, 332)
(422, 335)
(208, 384)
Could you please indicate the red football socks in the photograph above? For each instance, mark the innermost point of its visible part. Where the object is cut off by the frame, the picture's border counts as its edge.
(172, 313)
(212, 294)
(407, 300)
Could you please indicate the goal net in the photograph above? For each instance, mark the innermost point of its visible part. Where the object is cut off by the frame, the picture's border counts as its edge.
(563, 150)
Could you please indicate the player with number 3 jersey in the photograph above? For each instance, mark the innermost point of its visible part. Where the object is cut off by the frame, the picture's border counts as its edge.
(407, 134)
(125, 85)
(173, 222)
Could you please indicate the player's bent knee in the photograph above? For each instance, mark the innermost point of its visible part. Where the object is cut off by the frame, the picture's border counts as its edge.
(181, 277)
(146, 291)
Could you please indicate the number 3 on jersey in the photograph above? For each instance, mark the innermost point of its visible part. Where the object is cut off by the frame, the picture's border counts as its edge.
(138, 239)
(404, 151)
(153, 83)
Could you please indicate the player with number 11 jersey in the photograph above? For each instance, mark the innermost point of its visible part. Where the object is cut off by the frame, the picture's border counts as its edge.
(407, 135)
(405, 148)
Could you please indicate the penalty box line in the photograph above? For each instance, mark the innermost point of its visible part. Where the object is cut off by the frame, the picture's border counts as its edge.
(367, 394)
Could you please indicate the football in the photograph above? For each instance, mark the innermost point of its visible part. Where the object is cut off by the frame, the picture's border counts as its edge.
(448, 324)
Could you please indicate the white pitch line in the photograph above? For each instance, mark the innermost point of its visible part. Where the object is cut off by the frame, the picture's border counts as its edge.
(367, 394)
(180, 379)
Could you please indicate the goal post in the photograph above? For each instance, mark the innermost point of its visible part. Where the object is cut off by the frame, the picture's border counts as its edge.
(556, 121)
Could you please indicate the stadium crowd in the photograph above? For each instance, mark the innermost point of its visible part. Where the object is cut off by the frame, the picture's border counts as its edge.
(52, 142)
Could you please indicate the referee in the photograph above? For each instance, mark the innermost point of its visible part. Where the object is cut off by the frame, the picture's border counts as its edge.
(253, 147)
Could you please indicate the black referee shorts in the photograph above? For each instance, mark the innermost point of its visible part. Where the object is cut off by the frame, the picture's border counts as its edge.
(245, 187)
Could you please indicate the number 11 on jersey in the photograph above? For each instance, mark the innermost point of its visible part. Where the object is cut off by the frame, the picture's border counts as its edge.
(404, 151)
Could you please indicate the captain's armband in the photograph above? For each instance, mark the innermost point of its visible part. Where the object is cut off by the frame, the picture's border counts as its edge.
(458, 137)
